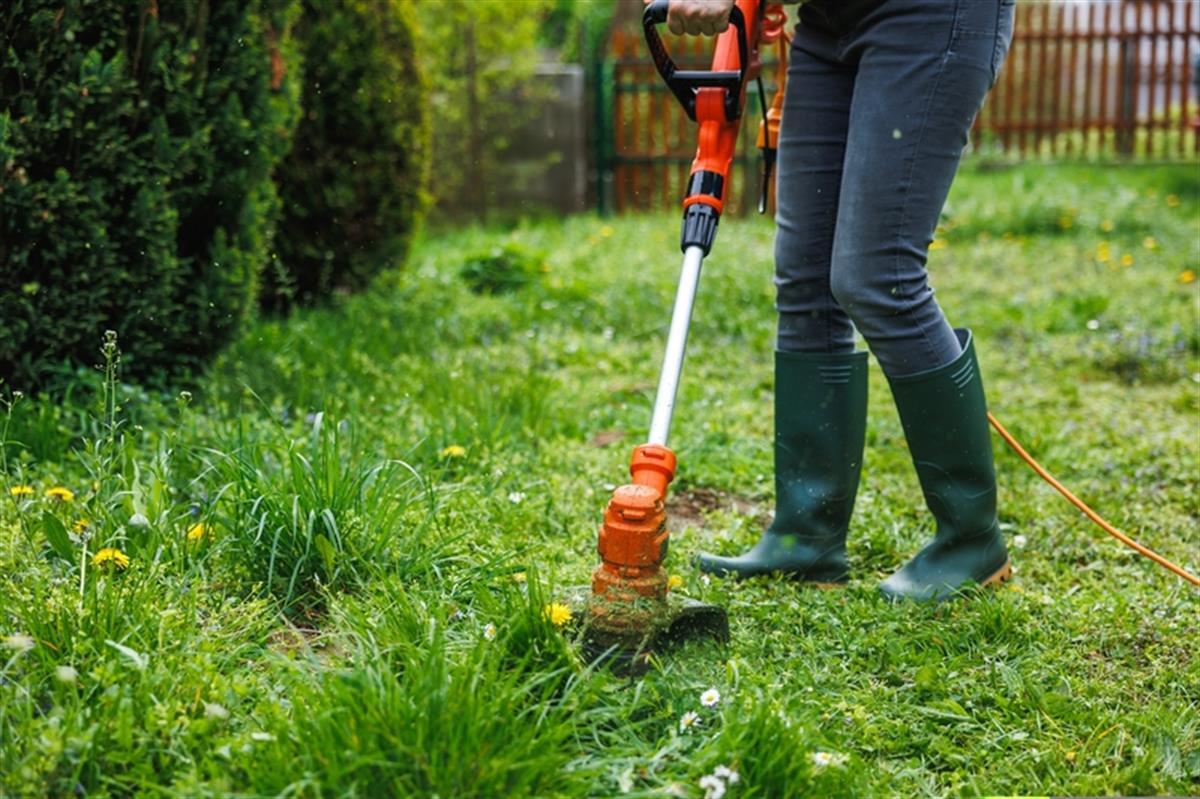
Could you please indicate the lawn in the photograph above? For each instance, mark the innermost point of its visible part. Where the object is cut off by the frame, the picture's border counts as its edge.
(341, 541)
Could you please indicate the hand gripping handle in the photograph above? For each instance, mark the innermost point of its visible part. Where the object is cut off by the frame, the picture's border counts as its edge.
(683, 83)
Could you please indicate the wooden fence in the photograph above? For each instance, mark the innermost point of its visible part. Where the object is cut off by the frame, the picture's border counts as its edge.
(1084, 79)
(1097, 79)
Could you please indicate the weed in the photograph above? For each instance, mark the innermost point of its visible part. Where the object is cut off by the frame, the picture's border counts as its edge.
(501, 270)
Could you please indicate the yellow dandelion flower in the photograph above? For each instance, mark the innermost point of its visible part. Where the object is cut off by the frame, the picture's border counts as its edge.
(197, 531)
(674, 581)
(1150, 243)
(1173, 200)
(1066, 222)
(1103, 252)
(1107, 225)
(606, 231)
(1126, 260)
(110, 556)
(454, 451)
(937, 244)
(557, 613)
(80, 526)
(21, 491)
(61, 493)
(1187, 276)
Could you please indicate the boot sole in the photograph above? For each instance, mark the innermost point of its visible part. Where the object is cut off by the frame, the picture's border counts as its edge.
(1000, 576)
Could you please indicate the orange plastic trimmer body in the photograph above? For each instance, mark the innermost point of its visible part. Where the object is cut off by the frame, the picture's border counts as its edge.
(629, 587)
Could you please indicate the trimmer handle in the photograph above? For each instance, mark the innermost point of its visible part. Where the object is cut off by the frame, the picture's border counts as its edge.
(713, 99)
(683, 83)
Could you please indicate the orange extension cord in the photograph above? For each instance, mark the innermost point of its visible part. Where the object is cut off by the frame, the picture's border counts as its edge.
(1091, 514)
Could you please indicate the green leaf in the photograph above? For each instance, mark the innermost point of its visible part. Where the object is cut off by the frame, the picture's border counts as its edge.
(56, 534)
(952, 709)
(325, 548)
(135, 657)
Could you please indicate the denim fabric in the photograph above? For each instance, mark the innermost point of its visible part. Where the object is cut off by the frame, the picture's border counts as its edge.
(880, 99)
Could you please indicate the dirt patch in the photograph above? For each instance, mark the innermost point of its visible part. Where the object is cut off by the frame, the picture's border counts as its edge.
(606, 437)
(691, 508)
(293, 640)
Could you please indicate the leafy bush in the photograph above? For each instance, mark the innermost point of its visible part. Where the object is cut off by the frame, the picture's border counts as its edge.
(136, 150)
(501, 270)
(352, 187)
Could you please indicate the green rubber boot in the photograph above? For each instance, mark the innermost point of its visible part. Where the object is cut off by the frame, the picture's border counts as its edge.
(944, 415)
(820, 424)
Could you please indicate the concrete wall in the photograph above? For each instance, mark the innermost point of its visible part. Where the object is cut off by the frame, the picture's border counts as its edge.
(547, 161)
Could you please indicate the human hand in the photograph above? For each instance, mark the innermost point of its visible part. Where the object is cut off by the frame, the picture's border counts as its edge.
(698, 17)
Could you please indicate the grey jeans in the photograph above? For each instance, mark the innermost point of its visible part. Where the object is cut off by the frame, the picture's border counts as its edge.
(880, 99)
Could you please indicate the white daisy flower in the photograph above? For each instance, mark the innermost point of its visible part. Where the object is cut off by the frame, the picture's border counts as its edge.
(687, 720)
(727, 774)
(516, 497)
(214, 710)
(19, 643)
(823, 759)
(714, 787)
(1019, 541)
(710, 698)
(489, 631)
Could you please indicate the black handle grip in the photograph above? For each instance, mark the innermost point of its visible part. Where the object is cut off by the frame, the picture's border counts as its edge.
(684, 83)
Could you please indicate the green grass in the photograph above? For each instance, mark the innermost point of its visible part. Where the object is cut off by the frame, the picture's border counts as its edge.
(328, 632)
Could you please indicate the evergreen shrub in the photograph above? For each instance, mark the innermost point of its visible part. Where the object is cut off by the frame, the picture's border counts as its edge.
(353, 187)
(137, 144)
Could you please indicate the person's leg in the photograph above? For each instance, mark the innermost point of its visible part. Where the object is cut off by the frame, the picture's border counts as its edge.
(812, 146)
(820, 382)
(924, 67)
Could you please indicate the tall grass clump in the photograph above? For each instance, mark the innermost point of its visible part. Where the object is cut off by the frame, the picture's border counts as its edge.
(479, 701)
(299, 517)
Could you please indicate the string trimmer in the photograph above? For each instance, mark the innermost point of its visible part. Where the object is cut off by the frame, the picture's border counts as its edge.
(629, 609)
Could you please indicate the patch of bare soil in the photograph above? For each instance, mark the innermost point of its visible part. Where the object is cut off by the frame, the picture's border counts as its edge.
(293, 639)
(606, 437)
(691, 508)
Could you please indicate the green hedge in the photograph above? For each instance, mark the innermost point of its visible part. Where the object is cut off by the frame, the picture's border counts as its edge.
(353, 185)
(137, 142)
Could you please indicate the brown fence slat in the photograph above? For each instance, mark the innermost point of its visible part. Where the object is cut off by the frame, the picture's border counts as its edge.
(1185, 78)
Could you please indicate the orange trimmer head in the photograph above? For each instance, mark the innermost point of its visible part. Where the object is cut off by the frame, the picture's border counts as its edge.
(629, 611)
